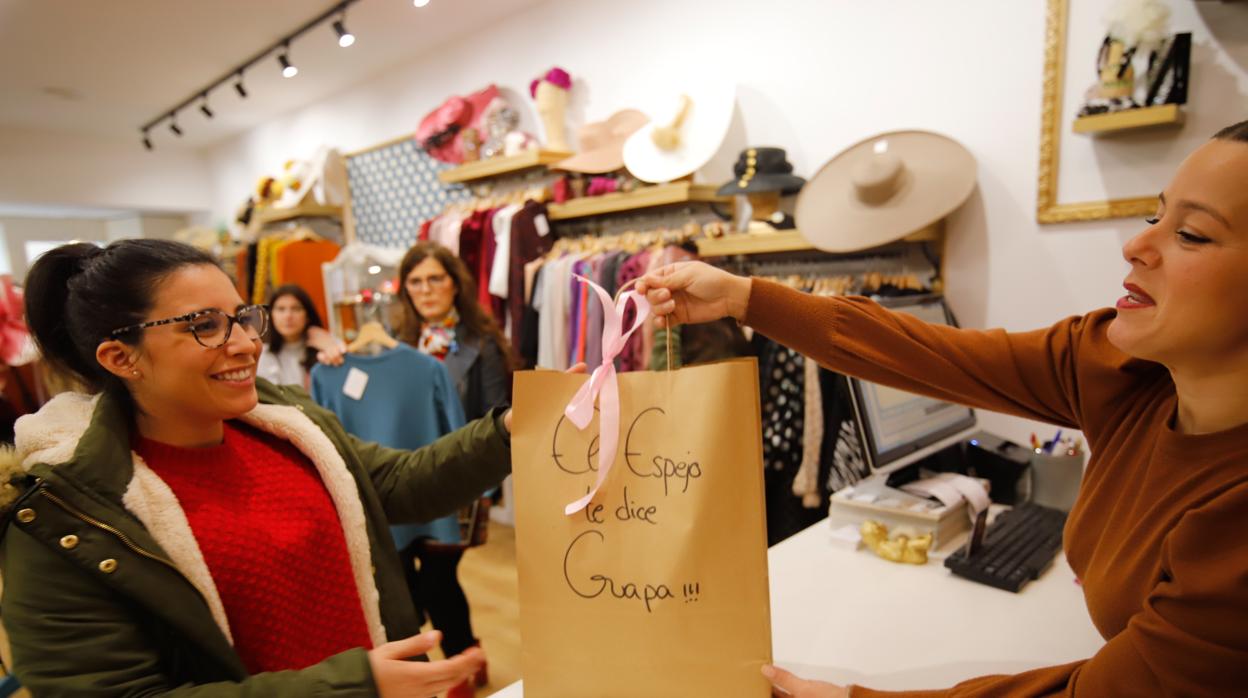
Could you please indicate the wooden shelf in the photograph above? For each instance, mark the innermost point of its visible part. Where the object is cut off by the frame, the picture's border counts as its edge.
(264, 216)
(783, 241)
(1097, 124)
(495, 167)
(643, 197)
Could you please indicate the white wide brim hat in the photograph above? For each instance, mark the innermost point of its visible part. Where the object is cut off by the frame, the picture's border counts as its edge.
(884, 188)
(700, 133)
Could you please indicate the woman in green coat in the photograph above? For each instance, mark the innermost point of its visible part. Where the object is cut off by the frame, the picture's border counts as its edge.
(189, 530)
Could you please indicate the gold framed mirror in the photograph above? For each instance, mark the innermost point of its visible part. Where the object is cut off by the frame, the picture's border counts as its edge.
(1053, 123)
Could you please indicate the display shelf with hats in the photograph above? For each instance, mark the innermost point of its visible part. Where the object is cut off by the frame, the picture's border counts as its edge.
(1129, 119)
(652, 196)
(502, 165)
(790, 241)
(266, 216)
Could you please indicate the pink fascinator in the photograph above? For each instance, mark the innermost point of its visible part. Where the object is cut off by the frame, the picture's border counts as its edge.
(555, 76)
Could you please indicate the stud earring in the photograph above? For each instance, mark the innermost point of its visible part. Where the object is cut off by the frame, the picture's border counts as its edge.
(135, 374)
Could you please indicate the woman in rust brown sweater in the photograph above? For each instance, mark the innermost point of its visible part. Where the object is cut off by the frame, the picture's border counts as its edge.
(1159, 385)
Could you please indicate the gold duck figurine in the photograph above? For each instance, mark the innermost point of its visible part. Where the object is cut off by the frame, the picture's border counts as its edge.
(900, 548)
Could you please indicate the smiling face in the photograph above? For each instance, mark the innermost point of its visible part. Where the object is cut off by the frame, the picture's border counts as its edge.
(183, 380)
(1187, 300)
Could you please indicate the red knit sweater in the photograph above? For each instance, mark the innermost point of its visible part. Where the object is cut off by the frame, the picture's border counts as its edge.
(273, 543)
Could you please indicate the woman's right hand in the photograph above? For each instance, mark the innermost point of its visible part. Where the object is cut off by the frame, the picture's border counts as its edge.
(693, 292)
(329, 350)
(396, 677)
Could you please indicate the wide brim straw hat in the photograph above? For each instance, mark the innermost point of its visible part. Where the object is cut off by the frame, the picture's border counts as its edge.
(696, 120)
(884, 188)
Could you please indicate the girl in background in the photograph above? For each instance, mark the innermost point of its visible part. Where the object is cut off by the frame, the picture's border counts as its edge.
(296, 340)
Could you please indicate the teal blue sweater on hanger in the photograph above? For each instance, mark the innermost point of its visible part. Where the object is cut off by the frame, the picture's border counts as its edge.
(400, 398)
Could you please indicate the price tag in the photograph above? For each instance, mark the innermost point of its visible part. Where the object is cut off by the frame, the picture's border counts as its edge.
(542, 225)
(354, 386)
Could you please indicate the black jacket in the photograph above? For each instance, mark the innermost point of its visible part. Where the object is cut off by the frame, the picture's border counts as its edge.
(479, 371)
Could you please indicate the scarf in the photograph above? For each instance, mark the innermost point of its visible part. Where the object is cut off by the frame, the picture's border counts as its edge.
(437, 339)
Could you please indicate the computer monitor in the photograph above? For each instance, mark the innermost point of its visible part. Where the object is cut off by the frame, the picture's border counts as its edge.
(897, 428)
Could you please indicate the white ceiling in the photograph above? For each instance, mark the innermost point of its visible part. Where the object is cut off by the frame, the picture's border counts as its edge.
(104, 68)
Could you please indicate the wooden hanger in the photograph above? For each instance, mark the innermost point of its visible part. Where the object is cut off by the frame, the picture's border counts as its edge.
(372, 333)
(303, 233)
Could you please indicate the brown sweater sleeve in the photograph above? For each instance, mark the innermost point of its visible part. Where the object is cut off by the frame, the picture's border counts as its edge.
(1028, 374)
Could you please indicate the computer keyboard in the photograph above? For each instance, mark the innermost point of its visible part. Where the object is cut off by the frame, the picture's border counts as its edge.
(1018, 546)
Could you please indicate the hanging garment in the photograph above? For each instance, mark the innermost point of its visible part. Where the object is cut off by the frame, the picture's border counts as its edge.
(406, 401)
(500, 269)
(806, 481)
(842, 460)
(471, 234)
(489, 247)
(633, 356)
(299, 262)
(593, 318)
(249, 276)
(782, 391)
(262, 279)
(530, 326)
(530, 240)
(242, 282)
(549, 299)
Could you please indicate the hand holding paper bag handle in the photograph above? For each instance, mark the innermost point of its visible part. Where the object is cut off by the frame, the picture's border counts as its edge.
(695, 292)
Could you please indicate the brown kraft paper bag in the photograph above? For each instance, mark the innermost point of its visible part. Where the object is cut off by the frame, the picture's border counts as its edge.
(658, 586)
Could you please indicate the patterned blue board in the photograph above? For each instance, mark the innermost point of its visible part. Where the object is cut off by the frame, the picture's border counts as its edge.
(393, 190)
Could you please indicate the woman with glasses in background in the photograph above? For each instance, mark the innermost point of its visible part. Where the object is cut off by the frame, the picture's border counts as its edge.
(442, 318)
(189, 529)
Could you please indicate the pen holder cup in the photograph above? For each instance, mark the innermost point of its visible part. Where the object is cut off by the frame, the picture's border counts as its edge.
(1055, 479)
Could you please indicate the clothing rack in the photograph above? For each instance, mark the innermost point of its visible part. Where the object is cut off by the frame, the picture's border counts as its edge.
(641, 220)
(904, 259)
(631, 240)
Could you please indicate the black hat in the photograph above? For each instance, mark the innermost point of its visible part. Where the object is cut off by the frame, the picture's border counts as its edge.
(761, 170)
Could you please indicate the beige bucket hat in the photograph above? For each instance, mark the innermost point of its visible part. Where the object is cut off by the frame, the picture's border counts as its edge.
(602, 143)
(882, 189)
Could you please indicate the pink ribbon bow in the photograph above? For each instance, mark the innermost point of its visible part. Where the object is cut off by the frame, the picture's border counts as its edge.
(603, 384)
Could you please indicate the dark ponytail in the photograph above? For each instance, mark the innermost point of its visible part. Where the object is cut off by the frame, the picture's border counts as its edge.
(1234, 132)
(77, 294)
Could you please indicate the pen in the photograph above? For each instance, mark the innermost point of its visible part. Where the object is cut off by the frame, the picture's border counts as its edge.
(1056, 438)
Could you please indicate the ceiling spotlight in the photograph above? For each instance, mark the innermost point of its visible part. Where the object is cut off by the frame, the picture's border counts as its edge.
(420, 3)
(238, 87)
(345, 38)
(288, 70)
(203, 107)
(173, 125)
(147, 141)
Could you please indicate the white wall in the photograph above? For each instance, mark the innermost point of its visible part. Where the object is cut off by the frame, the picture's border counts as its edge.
(46, 167)
(814, 76)
(16, 231)
(19, 231)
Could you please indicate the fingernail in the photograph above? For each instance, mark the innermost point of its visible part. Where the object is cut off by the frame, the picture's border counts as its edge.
(769, 671)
